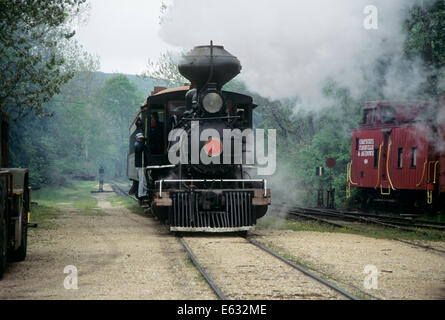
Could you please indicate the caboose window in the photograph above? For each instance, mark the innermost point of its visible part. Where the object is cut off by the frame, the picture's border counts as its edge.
(373, 115)
(365, 116)
(356, 143)
(369, 116)
(413, 157)
(400, 158)
(387, 114)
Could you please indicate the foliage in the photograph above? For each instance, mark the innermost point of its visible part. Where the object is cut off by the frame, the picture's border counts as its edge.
(92, 114)
(34, 39)
(119, 101)
(166, 68)
(425, 28)
(89, 128)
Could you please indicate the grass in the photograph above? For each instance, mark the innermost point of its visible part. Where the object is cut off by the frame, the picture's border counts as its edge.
(368, 230)
(126, 202)
(54, 201)
(44, 216)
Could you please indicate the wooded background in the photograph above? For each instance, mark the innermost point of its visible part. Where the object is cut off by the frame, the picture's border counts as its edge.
(66, 118)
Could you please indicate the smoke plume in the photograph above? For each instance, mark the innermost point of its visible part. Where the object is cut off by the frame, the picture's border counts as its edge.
(290, 48)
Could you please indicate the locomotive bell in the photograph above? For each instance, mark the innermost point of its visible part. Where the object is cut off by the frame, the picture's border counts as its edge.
(209, 64)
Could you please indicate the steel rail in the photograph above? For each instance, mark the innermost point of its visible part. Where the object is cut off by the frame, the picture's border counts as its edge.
(395, 220)
(303, 270)
(209, 280)
(358, 218)
(316, 218)
(120, 191)
(189, 253)
(409, 221)
(376, 219)
(419, 245)
(218, 291)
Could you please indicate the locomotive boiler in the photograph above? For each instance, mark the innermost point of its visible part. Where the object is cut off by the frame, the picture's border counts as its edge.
(398, 154)
(198, 176)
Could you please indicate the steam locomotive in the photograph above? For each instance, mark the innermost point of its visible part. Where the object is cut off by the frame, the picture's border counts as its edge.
(199, 192)
(398, 154)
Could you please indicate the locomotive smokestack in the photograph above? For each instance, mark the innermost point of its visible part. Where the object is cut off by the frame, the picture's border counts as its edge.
(209, 64)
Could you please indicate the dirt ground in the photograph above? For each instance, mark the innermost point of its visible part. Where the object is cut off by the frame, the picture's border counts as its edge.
(120, 255)
(403, 271)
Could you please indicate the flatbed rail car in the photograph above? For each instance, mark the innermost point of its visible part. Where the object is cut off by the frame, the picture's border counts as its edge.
(15, 204)
(398, 154)
(199, 197)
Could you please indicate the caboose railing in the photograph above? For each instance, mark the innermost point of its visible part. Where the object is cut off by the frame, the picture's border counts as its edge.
(378, 165)
(423, 173)
(387, 165)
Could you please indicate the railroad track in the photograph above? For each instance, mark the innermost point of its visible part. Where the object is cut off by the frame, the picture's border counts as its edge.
(334, 218)
(406, 224)
(321, 215)
(276, 255)
(120, 191)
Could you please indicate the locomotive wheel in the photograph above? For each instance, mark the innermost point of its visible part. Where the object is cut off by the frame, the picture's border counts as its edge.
(20, 253)
(3, 240)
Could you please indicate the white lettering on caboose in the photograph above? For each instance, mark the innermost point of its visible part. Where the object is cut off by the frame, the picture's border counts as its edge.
(366, 148)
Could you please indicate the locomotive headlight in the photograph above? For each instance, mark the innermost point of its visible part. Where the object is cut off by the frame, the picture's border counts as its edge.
(212, 102)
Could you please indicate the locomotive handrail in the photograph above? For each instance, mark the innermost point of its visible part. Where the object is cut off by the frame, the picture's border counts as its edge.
(264, 181)
(423, 173)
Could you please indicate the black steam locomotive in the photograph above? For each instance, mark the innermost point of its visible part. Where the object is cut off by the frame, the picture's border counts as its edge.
(195, 180)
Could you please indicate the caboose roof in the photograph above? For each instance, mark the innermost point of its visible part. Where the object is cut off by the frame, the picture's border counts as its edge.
(372, 104)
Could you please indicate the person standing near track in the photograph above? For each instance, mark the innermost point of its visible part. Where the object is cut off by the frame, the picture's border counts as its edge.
(101, 178)
(139, 148)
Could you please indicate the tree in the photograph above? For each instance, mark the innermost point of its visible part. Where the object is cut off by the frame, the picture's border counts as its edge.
(425, 27)
(119, 100)
(166, 68)
(34, 39)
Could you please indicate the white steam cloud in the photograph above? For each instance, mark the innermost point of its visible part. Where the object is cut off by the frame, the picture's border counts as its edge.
(290, 48)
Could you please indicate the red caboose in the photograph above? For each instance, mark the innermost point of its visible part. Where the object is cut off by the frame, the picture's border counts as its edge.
(398, 153)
